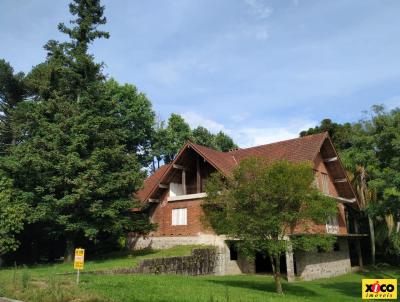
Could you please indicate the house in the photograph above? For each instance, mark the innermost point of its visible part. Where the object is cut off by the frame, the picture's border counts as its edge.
(175, 192)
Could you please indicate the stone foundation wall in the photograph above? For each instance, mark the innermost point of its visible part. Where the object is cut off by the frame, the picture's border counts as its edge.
(201, 262)
(315, 265)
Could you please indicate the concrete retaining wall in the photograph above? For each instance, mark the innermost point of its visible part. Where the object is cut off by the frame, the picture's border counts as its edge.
(164, 242)
(315, 265)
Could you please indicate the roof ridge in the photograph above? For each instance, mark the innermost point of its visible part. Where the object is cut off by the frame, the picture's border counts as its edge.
(278, 142)
(194, 144)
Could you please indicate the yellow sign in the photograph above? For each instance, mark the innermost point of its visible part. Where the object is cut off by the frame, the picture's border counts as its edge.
(381, 289)
(79, 258)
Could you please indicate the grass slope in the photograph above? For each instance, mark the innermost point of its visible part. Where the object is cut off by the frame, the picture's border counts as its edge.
(245, 288)
(45, 284)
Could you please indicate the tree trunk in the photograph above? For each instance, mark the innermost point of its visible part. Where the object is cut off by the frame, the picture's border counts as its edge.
(358, 246)
(277, 274)
(271, 259)
(372, 237)
(69, 251)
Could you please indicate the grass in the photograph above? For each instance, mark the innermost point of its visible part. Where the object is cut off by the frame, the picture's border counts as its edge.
(45, 284)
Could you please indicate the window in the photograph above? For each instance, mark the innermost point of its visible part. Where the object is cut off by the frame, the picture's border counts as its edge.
(179, 216)
(332, 225)
(325, 183)
(175, 189)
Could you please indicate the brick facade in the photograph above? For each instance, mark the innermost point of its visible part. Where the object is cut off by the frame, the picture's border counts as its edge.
(162, 215)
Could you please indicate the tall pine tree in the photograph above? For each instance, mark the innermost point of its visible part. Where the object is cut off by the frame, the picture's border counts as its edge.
(81, 143)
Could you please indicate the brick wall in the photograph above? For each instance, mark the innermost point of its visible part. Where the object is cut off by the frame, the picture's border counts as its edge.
(162, 215)
(311, 227)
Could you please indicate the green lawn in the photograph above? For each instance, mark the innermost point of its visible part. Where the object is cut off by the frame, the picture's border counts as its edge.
(44, 283)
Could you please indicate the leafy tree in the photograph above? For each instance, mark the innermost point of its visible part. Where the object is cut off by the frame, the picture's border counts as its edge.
(380, 154)
(203, 137)
(158, 144)
(263, 202)
(136, 117)
(340, 133)
(178, 133)
(14, 213)
(223, 142)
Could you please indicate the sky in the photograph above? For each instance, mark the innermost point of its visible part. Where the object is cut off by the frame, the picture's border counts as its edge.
(260, 70)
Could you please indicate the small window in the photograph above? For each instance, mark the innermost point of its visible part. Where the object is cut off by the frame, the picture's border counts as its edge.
(179, 216)
(332, 225)
(325, 183)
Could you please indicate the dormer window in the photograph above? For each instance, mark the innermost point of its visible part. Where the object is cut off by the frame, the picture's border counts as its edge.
(175, 189)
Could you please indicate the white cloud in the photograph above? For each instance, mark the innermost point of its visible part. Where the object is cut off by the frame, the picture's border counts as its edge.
(252, 136)
(194, 120)
(249, 136)
(259, 8)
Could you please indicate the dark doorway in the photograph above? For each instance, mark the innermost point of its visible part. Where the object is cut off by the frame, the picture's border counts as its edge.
(353, 253)
(233, 253)
(264, 266)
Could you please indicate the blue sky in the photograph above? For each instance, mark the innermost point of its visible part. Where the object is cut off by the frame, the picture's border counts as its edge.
(261, 70)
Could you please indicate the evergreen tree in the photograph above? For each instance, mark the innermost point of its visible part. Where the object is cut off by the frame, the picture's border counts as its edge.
(81, 142)
(12, 92)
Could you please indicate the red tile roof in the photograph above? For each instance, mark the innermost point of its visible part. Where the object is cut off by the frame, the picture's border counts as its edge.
(296, 150)
(150, 182)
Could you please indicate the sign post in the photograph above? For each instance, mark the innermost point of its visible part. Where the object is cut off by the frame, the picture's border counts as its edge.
(79, 262)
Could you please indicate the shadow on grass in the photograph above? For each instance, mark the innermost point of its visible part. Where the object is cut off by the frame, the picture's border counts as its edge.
(353, 288)
(380, 272)
(268, 285)
(348, 289)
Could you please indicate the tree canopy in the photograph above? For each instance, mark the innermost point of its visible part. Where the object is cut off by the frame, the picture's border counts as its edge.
(263, 202)
(81, 143)
(370, 151)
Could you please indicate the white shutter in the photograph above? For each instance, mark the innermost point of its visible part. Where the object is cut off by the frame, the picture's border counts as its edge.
(179, 216)
(175, 216)
(183, 218)
(325, 183)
